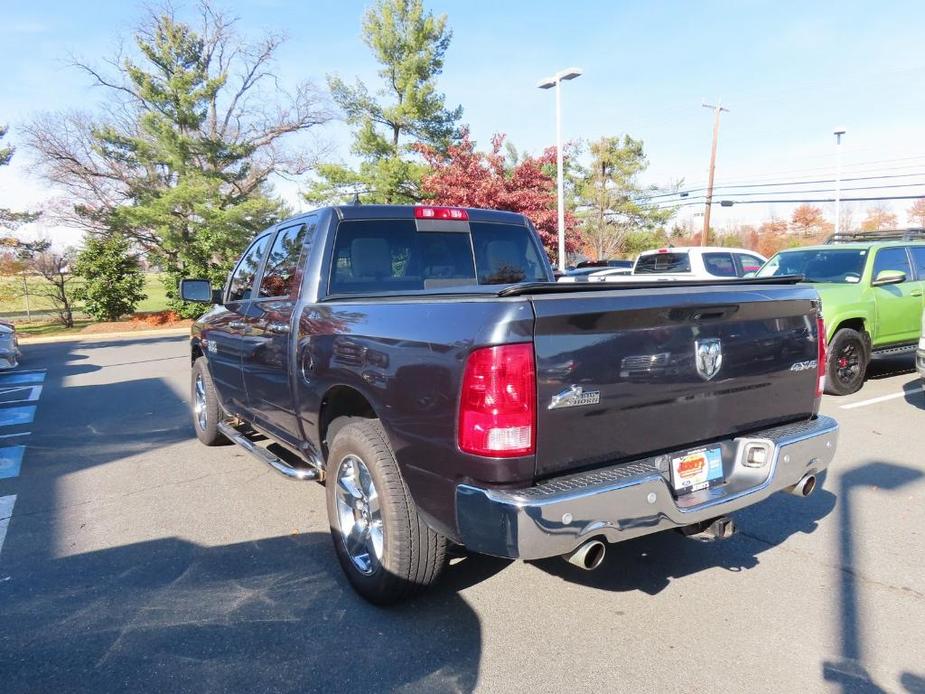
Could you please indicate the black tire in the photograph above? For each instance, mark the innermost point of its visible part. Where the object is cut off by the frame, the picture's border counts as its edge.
(412, 555)
(846, 362)
(212, 412)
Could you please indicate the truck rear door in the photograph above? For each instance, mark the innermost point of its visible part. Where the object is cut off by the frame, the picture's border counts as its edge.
(667, 368)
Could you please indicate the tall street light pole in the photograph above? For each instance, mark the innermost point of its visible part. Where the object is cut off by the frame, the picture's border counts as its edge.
(717, 109)
(838, 133)
(548, 83)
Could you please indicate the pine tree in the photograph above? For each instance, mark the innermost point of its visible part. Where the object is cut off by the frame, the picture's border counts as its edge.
(182, 170)
(113, 282)
(613, 209)
(410, 45)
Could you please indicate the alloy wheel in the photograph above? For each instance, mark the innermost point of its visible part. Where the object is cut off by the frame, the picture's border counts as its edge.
(848, 364)
(199, 402)
(359, 516)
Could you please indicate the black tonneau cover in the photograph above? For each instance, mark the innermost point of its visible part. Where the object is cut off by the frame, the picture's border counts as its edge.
(567, 287)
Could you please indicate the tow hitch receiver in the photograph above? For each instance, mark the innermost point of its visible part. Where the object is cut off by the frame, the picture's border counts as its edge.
(721, 528)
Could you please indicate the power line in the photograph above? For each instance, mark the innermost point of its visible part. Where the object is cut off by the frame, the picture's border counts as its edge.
(759, 178)
(799, 201)
(791, 183)
(811, 190)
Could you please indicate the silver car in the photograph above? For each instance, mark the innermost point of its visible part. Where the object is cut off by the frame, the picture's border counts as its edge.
(9, 346)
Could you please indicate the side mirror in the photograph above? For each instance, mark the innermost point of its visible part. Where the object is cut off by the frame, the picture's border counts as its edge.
(889, 277)
(197, 291)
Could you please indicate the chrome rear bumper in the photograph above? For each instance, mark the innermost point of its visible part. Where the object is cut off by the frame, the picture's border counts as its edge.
(632, 499)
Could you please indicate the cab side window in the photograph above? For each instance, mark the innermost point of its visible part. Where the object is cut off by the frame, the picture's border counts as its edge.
(283, 263)
(892, 259)
(719, 264)
(749, 263)
(242, 281)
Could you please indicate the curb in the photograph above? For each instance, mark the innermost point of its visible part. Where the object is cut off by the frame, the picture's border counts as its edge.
(125, 334)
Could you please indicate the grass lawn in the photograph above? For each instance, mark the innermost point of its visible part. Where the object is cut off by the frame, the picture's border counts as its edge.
(157, 295)
(13, 301)
(40, 328)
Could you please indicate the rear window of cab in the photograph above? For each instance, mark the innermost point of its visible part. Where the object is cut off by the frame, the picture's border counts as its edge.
(663, 262)
(373, 256)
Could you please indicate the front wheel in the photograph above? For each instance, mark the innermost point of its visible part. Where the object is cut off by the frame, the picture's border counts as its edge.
(207, 413)
(846, 363)
(383, 545)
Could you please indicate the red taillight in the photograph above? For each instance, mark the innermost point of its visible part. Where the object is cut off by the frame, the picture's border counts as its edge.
(497, 406)
(441, 213)
(821, 356)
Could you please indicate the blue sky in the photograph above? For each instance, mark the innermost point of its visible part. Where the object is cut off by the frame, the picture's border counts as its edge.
(789, 72)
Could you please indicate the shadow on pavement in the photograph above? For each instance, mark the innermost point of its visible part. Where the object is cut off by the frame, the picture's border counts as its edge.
(850, 670)
(269, 615)
(913, 393)
(650, 563)
(168, 615)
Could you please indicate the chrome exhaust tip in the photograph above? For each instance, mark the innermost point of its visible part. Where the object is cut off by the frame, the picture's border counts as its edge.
(588, 556)
(804, 487)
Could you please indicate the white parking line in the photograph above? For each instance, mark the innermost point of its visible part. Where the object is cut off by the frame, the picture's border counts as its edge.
(6, 510)
(882, 398)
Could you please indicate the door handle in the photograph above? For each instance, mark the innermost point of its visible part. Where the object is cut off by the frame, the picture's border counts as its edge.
(916, 293)
(277, 328)
(237, 324)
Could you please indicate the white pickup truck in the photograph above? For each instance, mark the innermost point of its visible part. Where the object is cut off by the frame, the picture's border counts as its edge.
(689, 263)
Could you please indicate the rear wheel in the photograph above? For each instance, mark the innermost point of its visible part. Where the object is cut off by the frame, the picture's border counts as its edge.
(847, 363)
(384, 547)
(207, 413)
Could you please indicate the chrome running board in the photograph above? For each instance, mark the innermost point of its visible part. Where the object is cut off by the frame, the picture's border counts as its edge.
(281, 466)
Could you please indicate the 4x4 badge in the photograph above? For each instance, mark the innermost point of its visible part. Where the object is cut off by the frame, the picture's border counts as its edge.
(708, 354)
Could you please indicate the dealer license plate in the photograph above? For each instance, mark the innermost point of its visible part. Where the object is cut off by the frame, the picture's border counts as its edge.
(697, 469)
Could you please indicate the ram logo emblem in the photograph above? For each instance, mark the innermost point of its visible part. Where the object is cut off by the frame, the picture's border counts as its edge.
(708, 355)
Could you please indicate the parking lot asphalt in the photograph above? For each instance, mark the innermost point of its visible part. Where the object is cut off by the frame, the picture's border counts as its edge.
(136, 559)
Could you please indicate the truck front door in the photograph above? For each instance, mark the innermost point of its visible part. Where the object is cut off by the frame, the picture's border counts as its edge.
(225, 334)
(266, 363)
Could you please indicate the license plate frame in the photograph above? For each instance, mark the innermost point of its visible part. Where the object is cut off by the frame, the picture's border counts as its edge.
(693, 470)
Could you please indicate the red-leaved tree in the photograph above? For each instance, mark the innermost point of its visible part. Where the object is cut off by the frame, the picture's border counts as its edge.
(464, 177)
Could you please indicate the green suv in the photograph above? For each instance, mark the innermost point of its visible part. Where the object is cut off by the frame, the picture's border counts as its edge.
(871, 285)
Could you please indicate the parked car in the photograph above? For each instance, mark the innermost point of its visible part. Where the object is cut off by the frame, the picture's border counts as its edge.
(695, 262)
(602, 275)
(9, 346)
(615, 262)
(423, 364)
(872, 286)
(579, 274)
(596, 274)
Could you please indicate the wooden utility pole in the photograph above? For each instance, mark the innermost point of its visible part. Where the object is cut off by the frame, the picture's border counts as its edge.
(717, 109)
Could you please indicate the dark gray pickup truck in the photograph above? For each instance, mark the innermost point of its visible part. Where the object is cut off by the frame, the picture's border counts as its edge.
(423, 364)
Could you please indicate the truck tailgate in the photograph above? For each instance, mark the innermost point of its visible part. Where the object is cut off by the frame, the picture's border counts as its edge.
(633, 355)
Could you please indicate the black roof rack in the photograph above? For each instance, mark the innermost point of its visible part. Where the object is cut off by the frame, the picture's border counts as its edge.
(911, 234)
